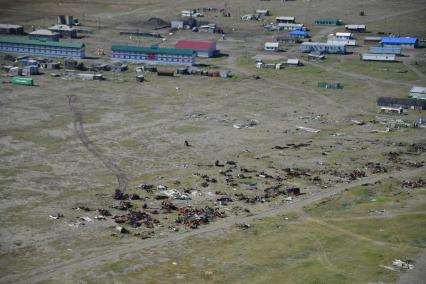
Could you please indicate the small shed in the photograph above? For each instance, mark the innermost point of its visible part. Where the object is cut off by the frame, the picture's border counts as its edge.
(272, 46)
(284, 19)
(29, 70)
(15, 71)
(378, 57)
(356, 28)
(418, 92)
(287, 39)
(328, 22)
(263, 12)
(293, 62)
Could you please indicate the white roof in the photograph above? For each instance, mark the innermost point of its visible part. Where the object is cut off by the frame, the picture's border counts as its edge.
(43, 32)
(290, 25)
(293, 61)
(324, 43)
(354, 27)
(418, 90)
(61, 27)
(272, 44)
(379, 55)
(285, 18)
(350, 42)
(343, 34)
(262, 11)
(9, 26)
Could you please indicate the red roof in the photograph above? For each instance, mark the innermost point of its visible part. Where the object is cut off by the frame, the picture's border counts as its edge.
(194, 44)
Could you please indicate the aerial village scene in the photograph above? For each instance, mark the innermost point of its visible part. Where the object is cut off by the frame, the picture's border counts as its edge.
(226, 141)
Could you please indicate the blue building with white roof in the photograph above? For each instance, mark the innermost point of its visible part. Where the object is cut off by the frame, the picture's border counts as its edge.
(403, 42)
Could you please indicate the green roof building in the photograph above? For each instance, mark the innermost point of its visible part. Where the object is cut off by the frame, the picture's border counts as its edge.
(42, 47)
(153, 55)
(328, 22)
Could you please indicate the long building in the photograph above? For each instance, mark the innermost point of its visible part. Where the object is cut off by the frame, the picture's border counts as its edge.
(403, 42)
(328, 22)
(378, 57)
(323, 47)
(42, 48)
(401, 103)
(386, 50)
(153, 55)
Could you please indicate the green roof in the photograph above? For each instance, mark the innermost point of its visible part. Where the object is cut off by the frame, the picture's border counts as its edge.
(152, 49)
(41, 42)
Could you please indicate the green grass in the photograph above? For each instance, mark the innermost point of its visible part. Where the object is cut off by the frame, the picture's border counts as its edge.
(383, 70)
(286, 249)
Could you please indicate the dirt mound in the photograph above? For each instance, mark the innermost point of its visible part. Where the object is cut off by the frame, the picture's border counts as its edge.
(156, 23)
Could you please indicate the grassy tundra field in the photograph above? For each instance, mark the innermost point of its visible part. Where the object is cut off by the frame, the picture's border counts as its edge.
(363, 201)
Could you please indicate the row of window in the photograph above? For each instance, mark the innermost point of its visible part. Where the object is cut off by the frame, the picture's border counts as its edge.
(145, 54)
(8, 45)
(165, 59)
(37, 50)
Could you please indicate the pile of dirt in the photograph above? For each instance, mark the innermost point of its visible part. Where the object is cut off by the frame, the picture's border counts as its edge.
(156, 23)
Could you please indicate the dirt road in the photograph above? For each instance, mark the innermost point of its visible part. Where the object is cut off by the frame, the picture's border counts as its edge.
(75, 265)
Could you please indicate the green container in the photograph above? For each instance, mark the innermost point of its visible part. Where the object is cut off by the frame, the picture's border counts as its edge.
(22, 81)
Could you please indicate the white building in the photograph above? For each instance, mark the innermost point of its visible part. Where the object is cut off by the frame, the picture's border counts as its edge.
(418, 92)
(378, 57)
(323, 47)
(291, 27)
(272, 46)
(262, 12)
(355, 28)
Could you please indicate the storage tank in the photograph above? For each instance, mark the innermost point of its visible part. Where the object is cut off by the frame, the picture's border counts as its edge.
(22, 81)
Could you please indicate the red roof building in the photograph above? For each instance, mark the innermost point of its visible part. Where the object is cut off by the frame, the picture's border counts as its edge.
(203, 48)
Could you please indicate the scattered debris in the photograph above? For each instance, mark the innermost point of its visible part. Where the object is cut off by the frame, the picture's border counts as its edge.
(136, 218)
(87, 219)
(119, 195)
(121, 230)
(402, 264)
(244, 226)
(312, 130)
(250, 124)
(414, 183)
(355, 174)
(193, 218)
(104, 212)
(57, 216)
(124, 205)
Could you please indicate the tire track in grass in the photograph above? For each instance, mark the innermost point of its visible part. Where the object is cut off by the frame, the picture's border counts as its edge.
(122, 179)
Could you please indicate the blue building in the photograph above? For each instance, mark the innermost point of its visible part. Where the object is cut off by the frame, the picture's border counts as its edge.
(403, 42)
(42, 48)
(298, 34)
(153, 55)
